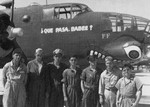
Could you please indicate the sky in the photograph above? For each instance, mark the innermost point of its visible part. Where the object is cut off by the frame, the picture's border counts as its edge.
(133, 7)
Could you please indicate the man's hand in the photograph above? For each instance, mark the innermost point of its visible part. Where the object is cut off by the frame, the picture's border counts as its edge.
(134, 105)
(101, 100)
(117, 103)
(65, 98)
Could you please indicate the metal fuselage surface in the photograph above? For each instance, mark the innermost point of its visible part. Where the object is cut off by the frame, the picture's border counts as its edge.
(56, 26)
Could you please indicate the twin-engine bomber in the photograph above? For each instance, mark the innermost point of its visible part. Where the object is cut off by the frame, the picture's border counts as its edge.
(74, 28)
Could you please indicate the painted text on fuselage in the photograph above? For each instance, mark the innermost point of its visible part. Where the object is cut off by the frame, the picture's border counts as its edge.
(66, 29)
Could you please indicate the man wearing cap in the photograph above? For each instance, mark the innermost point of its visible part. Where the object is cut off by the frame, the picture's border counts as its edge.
(129, 88)
(37, 81)
(71, 84)
(108, 80)
(89, 83)
(56, 69)
(14, 80)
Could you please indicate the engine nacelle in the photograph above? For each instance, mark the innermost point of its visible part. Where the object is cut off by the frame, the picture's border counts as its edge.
(133, 52)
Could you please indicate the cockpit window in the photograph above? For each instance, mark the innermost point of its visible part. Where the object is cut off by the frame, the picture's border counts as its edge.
(62, 12)
(148, 27)
(69, 11)
(48, 14)
(79, 9)
(75, 11)
(123, 22)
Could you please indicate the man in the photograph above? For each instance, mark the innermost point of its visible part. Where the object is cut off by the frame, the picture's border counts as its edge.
(89, 83)
(71, 84)
(14, 80)
(36, 83)
(129, 88)
(108, 80)
(56, 69)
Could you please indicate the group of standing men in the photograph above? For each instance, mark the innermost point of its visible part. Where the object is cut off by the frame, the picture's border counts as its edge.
(55, 85)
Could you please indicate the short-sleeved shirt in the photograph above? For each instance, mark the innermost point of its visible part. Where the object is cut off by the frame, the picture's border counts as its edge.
(108, 80)
(90, 77)
(72, 78)
(130, 88)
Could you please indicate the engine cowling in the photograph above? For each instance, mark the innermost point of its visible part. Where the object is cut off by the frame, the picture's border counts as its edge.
(124, 48)
(133, 52)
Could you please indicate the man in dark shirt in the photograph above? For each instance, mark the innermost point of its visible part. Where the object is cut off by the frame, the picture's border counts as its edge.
(89, 83)
(71, 84)
(56, 69)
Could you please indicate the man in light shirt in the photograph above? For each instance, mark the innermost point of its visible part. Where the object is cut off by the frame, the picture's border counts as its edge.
(36, 82)
(108, 80)
(129, 88)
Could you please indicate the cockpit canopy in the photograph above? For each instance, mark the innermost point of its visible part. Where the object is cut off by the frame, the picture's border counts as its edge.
(124, 22)
(65, 11)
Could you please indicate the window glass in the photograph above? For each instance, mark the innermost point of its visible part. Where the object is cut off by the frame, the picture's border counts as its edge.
(63, 12)
(148, 28)
(127, 23)
(48, 14)
(75, 11)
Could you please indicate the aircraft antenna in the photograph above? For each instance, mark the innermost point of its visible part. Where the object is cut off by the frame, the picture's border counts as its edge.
(12, 13)
(46, 2)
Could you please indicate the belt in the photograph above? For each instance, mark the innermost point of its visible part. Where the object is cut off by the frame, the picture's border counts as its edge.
(91, 87)
(113, 90)
(123, 96)
(72, 86)
(16, 82)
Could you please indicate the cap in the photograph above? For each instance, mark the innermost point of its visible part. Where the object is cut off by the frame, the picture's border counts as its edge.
(108, 58)
(38, 49)
(17, 50)
(57, 51)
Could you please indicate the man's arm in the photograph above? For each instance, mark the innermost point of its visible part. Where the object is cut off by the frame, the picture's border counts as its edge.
(64, 80)
(101, 89)
(64, 92)
(82, 86)
(83, 79)
(4, 78)
(118, 99)
(138, 97)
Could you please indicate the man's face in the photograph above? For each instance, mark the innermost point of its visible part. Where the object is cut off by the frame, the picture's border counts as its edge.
(17, 57)
(57, 57)
(126, 71)
(93, 62)
(109, 64)
(39, 55)
(73, 61)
